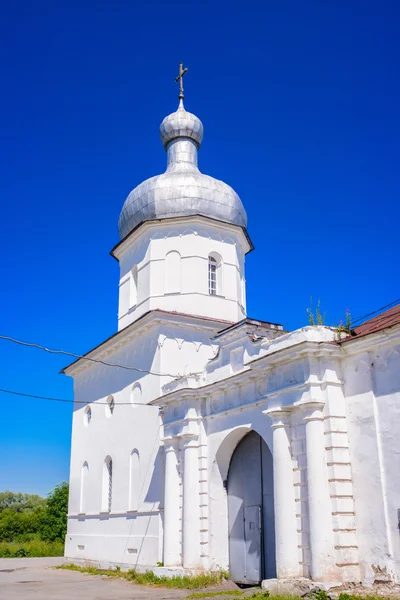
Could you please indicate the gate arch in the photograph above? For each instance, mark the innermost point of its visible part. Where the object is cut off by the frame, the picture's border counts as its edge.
(251, 511)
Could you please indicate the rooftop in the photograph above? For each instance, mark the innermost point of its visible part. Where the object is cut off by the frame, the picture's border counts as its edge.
(386, 319)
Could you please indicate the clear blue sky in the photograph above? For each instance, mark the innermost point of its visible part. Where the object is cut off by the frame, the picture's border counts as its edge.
(300, 103)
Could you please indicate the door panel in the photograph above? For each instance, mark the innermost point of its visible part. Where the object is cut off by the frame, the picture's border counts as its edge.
(268, 514)
(252, 535)
(244, 490)
(251, 512)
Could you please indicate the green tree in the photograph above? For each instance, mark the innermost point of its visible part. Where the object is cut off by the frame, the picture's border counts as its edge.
(20, 502)
(54, 524)
(20, 526)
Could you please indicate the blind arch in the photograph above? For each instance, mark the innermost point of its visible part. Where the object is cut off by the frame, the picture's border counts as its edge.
(134, 480)
(106, 504)
(173, 272)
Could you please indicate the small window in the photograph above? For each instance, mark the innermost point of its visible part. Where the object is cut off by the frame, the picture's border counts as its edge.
(212, 276)
(215, 275)
(87, 417)
(110, 406)
(136, 394)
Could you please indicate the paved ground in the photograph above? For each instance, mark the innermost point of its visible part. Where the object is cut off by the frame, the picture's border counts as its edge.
(36, 579)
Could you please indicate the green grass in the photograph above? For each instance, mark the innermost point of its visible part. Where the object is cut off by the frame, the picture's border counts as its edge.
(215, 594)
(186, 582)
(34, 548)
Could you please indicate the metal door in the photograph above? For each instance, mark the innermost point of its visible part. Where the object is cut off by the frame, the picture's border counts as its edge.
(244, 493)
(252, 538)
(250, 512)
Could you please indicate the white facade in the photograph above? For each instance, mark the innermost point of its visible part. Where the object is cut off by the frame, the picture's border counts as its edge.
(153, 440)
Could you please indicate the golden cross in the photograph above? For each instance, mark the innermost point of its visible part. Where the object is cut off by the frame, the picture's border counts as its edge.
(182, 71)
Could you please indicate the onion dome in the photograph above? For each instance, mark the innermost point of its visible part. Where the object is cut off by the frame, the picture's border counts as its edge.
(182, 190)
(181, 124)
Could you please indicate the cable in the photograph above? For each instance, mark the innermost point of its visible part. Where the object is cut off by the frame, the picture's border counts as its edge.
(95, 360)
(390, 305)
(14, 393)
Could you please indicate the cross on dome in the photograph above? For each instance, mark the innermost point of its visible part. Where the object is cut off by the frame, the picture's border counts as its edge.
(182, 190)
(182, 71)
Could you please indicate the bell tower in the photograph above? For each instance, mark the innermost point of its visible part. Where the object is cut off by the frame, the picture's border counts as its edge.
(183, 235)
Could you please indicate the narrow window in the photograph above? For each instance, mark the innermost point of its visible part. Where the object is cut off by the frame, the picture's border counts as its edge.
(173, 273)
(133, 294)
(136, 394)
(107, 485)
(134, 481)
(87, 416)
(110, 406)
(212, 276)
(84, 475)
(215, 275)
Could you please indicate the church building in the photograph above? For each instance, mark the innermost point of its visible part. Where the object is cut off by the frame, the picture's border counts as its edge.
(203, 439)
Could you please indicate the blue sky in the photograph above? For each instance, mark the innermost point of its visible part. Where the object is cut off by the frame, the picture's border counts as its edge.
(300, 103)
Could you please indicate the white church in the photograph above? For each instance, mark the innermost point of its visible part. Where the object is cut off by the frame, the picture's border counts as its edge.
(222, 442)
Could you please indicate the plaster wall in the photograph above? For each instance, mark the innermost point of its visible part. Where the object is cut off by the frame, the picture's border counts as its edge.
(372, 384)
(92, 529)
(193, 241)
(128, 534)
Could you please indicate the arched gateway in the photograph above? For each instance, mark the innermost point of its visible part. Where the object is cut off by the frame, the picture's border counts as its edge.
(251, 512)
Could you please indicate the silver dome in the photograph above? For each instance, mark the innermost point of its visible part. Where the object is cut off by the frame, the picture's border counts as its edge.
(181, 124)
(182, 190)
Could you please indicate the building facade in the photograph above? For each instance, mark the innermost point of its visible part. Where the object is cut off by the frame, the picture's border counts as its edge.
(205, 440)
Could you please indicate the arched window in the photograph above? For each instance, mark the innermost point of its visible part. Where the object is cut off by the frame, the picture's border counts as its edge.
(87, 416)
(107, 485)
(84, 476)
(214, 275)
(134, 480)
(110, 406)
(136, 395)
(172, 272)
(133, 292)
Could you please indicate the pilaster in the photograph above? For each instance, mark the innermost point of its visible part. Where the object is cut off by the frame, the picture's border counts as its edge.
(319, 502)
(287, 562)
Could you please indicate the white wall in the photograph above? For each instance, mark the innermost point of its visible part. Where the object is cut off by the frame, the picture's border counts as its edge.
(372, 384)
(174, 345)
(183, 245)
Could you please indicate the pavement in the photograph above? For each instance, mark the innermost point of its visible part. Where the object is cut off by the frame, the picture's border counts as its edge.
(37, 579)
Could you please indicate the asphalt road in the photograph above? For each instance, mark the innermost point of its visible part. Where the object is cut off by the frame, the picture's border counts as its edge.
(37, 579)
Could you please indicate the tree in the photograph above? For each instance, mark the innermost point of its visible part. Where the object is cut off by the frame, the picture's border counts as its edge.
(18, 502)
(54, 524)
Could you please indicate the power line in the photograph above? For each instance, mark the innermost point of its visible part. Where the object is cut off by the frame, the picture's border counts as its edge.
(390, 305)
(95, 360)
(49, 398)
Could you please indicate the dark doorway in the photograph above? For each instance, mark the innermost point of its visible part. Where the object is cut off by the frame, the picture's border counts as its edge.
(251, 512)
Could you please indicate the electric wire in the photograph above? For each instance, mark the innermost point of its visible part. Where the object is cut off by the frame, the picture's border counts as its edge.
(94, 360)
(378, 310)
(66, 401)
(79, 356)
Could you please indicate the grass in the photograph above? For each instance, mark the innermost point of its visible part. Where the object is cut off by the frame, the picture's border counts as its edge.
(186, 582)
(34, 548)
(215, 594)
(193, 582)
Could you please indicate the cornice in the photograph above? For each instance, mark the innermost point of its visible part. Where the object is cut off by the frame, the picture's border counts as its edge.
(257, 368)
(136, 233)
(124, 336)
(369, 342)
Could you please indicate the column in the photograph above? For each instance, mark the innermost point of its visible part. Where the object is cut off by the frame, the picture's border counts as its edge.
(287, 558)
(191, 507)
(172, 547)
(319, 501)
